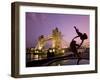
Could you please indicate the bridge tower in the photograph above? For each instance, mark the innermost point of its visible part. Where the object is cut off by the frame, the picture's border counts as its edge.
(56, 38)
(41, 42)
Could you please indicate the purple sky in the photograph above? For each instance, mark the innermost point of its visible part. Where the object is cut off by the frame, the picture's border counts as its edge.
(43, 23)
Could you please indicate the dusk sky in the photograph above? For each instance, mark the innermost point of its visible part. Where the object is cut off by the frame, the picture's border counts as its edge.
(43, 23)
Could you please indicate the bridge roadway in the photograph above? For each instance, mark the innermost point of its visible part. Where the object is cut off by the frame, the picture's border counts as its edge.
(47, 62)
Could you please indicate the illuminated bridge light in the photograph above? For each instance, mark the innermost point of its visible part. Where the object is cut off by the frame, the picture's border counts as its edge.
(36, 51)
(63, 51)
(53, 50)
(40, 47)
(50, 51)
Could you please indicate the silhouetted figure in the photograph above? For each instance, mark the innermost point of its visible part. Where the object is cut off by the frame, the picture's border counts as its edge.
(82, 36)
(74, 48)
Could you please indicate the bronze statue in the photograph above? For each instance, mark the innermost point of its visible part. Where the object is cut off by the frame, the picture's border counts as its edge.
(74, 47)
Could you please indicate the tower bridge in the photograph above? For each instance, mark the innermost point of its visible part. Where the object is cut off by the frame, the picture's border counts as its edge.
(55, 38)
(58, 46)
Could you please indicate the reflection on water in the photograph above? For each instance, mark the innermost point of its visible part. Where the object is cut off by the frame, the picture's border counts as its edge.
(69, 62)
(67, 59)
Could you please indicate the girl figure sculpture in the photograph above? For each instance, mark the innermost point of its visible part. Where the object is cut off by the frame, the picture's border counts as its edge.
(74, 47)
